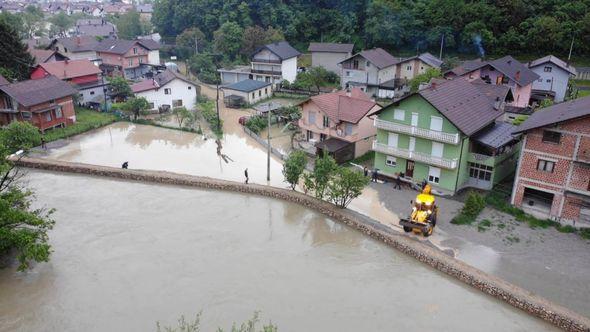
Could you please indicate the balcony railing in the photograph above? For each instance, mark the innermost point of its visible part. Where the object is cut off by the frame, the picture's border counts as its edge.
(267, 72)
(266, 61)
(416, 156)
(434, 135)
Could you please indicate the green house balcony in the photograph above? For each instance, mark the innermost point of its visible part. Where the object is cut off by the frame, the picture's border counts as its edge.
(416, 156)
(433, 135)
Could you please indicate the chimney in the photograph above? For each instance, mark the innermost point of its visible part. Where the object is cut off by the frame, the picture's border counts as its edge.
(509, 62)
(433, 85)
(517, 76)
(497, 103)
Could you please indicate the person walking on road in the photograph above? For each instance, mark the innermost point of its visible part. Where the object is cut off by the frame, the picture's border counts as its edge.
(366, 171)
(398, 182)
(375, 175)
(43, 144)
(246, 175)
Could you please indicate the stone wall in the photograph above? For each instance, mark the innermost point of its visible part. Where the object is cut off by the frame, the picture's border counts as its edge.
(496, 287)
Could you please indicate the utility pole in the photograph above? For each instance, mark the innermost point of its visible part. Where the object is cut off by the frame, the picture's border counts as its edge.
(196, 45)
(442, 42)
(217, 107)
(268, 150)
(571, 48)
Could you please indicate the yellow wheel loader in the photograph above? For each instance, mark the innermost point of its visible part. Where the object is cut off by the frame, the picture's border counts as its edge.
(424, 213)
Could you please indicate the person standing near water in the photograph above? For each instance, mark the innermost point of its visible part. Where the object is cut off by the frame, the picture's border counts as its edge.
(398, 182)
(125, 165)
(246, 175)
(43, 144)
(366, 171)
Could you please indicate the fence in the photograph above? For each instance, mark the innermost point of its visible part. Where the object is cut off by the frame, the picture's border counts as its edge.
(264, 143)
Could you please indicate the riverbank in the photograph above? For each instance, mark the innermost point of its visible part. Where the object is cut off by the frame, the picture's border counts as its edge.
(488, 284)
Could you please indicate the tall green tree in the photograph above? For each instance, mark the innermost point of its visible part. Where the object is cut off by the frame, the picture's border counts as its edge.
(317, 181)
(119, 87)
(345, 185)
(61, 23)
(23, 230)
(129, 25)
(135, 106)
(256, 36)
(227, 39)
(189, 41)
(14, 56)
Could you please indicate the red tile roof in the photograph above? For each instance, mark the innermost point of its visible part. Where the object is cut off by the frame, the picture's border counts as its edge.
(144, 85)
(70, 69)
(339, 106)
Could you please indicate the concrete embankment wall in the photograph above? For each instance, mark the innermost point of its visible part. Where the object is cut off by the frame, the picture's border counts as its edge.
(496, 287)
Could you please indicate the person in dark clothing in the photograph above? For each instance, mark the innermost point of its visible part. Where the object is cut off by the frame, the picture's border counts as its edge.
(398, 182)
(424, 183)
(375, 175)
(366, 171)
(125, 165)
(43, 144)
(246, 175)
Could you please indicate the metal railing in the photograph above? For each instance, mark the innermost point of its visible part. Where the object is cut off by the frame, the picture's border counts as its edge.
(416, 156)
(265, 61)
(434, 135)
(267, 72)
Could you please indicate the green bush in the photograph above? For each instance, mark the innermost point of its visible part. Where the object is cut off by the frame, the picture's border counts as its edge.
(473, 206)
(256, 123)
(209, 113)
(566, 228)
(584, 233)
(85, 120)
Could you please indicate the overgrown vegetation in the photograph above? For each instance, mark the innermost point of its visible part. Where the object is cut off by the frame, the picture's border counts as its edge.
(424, 78)
(194, 325)
(474, 204)
(256, 123)
(23, 230)
(85, 120)
(207, 109)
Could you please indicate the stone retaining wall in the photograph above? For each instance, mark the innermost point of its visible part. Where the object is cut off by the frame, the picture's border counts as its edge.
(496, 287)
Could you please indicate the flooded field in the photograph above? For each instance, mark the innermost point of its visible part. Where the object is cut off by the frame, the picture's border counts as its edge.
(128, 254)
(149, 147)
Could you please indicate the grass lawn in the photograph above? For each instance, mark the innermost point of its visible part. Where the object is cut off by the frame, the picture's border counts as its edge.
(85, 120)
(583, 93)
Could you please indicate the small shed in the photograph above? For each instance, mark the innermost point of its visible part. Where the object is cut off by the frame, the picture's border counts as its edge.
(251, 90)
(341, 151)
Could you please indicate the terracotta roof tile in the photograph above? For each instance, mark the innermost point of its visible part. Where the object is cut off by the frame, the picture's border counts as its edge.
(338, 106)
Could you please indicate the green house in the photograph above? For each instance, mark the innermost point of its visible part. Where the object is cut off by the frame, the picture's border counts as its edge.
(449, 134)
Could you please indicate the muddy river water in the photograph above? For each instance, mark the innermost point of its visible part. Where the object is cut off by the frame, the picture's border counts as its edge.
(128, 254)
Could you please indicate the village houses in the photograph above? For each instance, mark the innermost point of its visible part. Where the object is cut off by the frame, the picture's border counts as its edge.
(129, 58)
(337, 123)
(167, 89)
(246, 92)
(76, 48)
(46, 102)
(447, 134)
(554, 75)
(553, 175)
(271, 63)
(329, 55)
(82, 74)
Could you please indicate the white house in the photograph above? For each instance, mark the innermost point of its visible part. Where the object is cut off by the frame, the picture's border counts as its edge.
(249, 90)
(167, 88)
(270, 63)
(554, 75)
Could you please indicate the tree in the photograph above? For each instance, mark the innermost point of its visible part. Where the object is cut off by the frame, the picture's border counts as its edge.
(256, 36)
(33, 23)
(20, 136)
(320, 177)
(23, 230)
(129, 25)
(14, 56)
(205, 68)
(293, 167)
(227, 39)
(183, 115)
(345, 185)
(134, 106)
(61, 23)
(425, 77)
(120, 87)
(314, 77)
(188, 41)
(14, 21)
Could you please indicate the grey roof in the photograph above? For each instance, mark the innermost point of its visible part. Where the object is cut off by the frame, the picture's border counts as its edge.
(493, 91)
(145, 8)
(427, 58)
(496, 136)
(117, 46)
(270, 106)
(467, 67)
(247, 85)
(78, 44)
(518, 72)
(34, 92)
(96, 30)
(281, 49)
(332, 144)
(557, 113)
(330, 47)
(518, 110)
(554, 60)
(168, 75)
(150, 44)
(379, 57)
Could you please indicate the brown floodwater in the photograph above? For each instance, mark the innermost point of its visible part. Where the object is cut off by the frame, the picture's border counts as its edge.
(128, 254)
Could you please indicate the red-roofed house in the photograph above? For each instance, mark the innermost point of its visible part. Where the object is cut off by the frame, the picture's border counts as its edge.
(337, 123)
(82, 74)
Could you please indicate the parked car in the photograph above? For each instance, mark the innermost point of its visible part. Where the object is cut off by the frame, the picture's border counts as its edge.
(243, 120)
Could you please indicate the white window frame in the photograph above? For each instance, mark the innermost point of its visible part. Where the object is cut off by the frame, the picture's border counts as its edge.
(412, 144)
(58, 113)
(311, 117)
(399, 114)
(389, 140)
(434, 174)
(435, 147)
(432, 122)
(414, 117)
(390, 161)
(167, 91)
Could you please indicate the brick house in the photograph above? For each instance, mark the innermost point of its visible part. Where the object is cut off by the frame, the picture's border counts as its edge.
(46, 103)
(553, 174)
(337, 123)
(82, 74)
